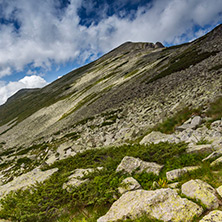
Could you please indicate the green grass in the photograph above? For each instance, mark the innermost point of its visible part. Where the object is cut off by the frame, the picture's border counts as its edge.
(49, 202)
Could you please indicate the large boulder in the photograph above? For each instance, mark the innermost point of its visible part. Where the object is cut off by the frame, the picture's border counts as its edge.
(130, 164)
(128, 184)
(202, 191)
(177, 173)
(213, 216)
(26, 180)
(162, 204)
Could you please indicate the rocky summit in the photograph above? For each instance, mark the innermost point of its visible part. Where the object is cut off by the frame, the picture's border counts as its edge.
(133, 136)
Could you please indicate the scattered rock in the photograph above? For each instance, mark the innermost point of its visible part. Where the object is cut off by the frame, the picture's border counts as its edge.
(216, 162)
(128, 184)
(75, 180)
(213, 155)
(130, 164)
(196, 121)
(155, 137)
(213, 216)
(202, 191)
(26, 180)
(191, 124)
(162, 204)
(206, 148)
(177, 173)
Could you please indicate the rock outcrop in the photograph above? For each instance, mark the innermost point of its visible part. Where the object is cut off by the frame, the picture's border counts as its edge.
(162, 204)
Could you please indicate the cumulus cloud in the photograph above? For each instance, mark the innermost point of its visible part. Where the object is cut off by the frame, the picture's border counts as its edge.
(41, 33)
(8, 89)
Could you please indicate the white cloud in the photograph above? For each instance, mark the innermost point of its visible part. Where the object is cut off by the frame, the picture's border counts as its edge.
(8, 89)
(47, 35)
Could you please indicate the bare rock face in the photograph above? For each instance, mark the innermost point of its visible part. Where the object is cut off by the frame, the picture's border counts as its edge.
(162, 204)
(177, 173)
(201, 191)
(130, 164)
(128, 184)
(213, 216)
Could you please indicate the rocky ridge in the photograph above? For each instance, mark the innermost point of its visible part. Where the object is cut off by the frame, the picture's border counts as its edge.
(121, 100)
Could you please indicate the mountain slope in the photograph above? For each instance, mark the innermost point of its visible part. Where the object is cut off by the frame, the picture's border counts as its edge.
(84, 126)
(134, 77)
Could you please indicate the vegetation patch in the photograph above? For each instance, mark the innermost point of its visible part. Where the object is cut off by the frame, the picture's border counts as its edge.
(49, 202)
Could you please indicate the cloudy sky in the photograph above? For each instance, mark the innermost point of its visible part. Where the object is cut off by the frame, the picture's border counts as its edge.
(42, 40)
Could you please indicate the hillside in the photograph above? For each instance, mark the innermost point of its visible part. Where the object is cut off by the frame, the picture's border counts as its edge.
(144, 113)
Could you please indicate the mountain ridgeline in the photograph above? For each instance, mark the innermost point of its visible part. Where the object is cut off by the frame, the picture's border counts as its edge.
(107, 112)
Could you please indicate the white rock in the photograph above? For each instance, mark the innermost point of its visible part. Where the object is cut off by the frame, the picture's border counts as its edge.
(130, 164)
(216, 162)
(213, 155)
(201, 191)
(213, 216)
(177, 173)
(206, 148)
(196, 121)
(155, 137)
(162, 204)
(128, 184)
(219, 190)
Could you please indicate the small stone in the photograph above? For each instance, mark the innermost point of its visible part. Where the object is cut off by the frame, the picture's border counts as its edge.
(216, 162)
(173, 185)
(196, 121)
(201, 191)
(213, 216)
(128, 184)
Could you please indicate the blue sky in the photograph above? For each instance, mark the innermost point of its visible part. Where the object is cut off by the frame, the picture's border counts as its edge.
(42, 40)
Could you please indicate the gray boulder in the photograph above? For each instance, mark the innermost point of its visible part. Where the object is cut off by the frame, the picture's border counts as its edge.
(162, 204)
(196, 121)
(213, 216)
(177, 173)
(128, 184)
(130, 164)
(205, 148)
(202, 191)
